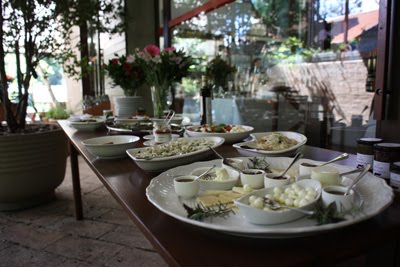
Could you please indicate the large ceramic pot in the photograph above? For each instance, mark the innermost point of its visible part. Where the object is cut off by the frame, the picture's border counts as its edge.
(126, 106)
(32, 166)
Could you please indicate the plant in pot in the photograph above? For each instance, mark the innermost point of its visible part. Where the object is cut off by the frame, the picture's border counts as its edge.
(129, 75)
(218, 72)
(32, 156)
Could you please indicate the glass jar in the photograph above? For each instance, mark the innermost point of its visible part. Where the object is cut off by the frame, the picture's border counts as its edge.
(395, 175)
(365, 151)
(162, 132)
(384, 155)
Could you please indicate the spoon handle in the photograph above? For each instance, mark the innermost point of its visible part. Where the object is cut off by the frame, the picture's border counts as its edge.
(358, 178)
(343, 156)
(296, 158)
(204, 173)
(215, 152)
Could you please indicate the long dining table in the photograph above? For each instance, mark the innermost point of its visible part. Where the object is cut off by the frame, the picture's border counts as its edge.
(374, 242)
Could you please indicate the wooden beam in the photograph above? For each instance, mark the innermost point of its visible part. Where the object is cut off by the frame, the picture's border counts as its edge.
(205, 8)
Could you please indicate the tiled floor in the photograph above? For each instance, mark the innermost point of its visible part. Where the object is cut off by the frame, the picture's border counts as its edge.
(49, 235)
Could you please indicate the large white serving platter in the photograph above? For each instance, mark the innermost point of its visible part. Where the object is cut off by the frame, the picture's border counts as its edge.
(300, 138)
(229, 137)
(164, 163)
(376, 195)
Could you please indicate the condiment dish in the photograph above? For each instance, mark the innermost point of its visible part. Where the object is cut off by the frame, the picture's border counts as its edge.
(253, 178)
(186, 186)
(337, 194)
(275, 179)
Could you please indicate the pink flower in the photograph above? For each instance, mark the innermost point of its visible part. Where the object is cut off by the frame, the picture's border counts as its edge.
(130, 59)
(169, 49)
(152, 50)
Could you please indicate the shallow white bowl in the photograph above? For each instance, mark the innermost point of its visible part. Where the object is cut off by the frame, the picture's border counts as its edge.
(229, 137)
(101, 147)
(217, 185)
(258, 216)
(157, 164)
(300, 138)
(87, 126)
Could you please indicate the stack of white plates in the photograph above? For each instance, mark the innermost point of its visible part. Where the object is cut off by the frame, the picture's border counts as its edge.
(127, 106)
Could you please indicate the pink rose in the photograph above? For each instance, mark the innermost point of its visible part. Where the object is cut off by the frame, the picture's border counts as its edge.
(169, 49)
(152, 50)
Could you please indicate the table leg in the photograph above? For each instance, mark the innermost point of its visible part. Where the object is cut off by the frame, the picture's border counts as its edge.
(76, 184)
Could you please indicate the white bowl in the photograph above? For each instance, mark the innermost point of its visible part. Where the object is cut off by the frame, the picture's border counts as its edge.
(215, 184)
(262, 217)
(326, 175)
(108, 147)
(336, 194)
(270, 181)
(253, 177)
(158, 163)
(253, 151)
(186, 186)
(87, 125)
(229, 137)
(177, 119)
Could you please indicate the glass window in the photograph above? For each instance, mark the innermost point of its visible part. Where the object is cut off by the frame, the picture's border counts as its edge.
(304, 66)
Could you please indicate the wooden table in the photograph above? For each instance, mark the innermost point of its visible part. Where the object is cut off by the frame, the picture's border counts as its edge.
(374, 242)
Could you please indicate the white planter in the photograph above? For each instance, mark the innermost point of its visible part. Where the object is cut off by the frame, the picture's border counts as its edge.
(32, 166)
(126, 106)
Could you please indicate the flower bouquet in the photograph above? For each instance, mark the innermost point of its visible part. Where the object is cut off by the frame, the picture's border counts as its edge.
(126, 73)
(162, 69)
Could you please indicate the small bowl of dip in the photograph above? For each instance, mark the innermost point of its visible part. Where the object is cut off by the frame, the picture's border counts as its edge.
(253, 178)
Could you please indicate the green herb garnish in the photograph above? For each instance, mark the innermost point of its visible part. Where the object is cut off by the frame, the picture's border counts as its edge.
(199, 212)
(330, 214)
(259, 163)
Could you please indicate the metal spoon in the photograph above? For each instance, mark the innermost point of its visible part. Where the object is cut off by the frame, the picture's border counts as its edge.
(224, 160)
(205, 173)
(357, 179)
(296, 158)
(273, 205)
(167, 121)
(340, 157)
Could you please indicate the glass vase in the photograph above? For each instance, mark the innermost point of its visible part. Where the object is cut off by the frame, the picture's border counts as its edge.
(159, 95)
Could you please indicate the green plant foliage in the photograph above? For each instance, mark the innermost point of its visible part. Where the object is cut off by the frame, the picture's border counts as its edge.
(57, 113)
(218, 72)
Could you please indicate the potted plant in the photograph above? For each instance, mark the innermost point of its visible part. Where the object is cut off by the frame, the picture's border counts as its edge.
(218, 72)
(127, 74)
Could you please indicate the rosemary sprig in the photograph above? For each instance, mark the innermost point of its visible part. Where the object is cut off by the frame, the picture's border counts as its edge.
(330, 214)
(259, 163)
(200, 212)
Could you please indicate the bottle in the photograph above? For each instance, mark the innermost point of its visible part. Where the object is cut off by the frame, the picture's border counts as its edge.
(205, 105)
(385, 154)
(365, 151)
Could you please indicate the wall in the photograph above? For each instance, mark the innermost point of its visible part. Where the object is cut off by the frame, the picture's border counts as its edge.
(343, 82)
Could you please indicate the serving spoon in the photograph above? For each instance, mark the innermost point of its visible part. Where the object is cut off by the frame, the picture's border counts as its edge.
(296, 158)
(273, 205)
(224, 160)
(340, 157)
(357, 179)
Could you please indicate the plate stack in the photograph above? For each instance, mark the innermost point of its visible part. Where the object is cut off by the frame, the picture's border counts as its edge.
(126, 106)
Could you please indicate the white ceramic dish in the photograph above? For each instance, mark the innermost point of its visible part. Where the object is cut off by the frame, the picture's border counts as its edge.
(253, 177)
(87, 125)
(259, 216)
(162, 163)
(112, 146)
(132, 120)
(229, 137)
(177, 119)
(151, 137)
(301, 140)
(217, 185)
(375, 193)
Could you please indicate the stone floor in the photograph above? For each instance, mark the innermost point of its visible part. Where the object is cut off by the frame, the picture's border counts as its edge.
(49, 235)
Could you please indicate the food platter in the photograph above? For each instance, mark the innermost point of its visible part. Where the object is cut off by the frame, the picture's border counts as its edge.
(160, 163)
(376, 196)
(230, 137)
(249, 148)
